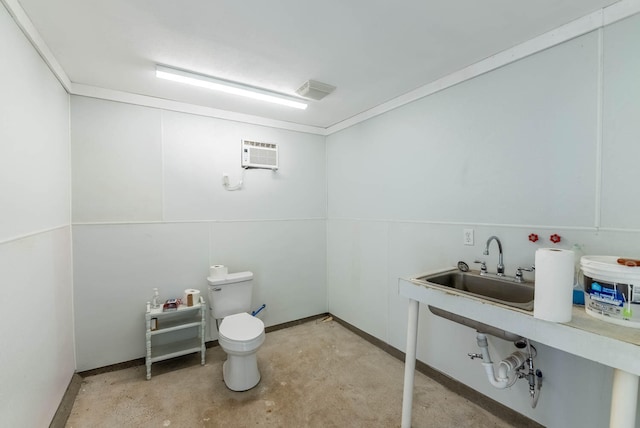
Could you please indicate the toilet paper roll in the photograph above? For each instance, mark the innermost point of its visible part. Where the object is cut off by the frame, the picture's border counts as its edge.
(553, 298)
(191, 297)
(218, 271)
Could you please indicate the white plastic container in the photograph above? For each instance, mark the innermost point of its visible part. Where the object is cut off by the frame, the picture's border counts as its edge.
(612, 290)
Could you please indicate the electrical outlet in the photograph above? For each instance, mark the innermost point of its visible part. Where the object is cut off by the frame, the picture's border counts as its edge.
(467, 237)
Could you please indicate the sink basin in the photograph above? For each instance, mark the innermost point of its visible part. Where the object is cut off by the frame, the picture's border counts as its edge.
(504, 291)
(485, 287)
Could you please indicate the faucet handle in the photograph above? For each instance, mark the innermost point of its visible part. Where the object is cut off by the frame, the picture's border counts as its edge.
(483, 266)
(519, 272)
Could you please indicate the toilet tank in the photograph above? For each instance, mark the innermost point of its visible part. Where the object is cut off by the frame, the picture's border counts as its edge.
(230, 294)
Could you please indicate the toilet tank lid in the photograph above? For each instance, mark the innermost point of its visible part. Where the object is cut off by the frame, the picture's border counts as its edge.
(231, 278)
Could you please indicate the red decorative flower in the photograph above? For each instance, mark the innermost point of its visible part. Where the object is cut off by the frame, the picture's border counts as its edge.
(555, 238)
(533, 237)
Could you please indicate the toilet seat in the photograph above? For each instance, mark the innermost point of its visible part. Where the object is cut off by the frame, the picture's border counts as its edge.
(241, 330)
(241, 327)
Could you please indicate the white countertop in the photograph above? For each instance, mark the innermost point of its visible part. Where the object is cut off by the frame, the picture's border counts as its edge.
(585, 336)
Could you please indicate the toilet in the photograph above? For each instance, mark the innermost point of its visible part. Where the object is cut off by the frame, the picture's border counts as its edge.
(239, 333)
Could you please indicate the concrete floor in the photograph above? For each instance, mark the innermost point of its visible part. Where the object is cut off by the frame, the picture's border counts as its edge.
(317, 374)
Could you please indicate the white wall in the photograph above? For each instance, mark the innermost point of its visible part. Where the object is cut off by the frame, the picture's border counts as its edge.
(522, 149)
(149, 210)
(511, 152)
(36, 320)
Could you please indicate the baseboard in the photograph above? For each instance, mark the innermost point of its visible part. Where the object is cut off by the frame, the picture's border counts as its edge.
(209, 344)
(296, 322)
(66, 404)
(499, 410)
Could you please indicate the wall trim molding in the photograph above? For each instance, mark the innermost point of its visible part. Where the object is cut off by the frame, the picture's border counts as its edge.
(593, 21)
(491, 225)
(251, 220)
(31, 234)
(471, 224)
(24, 23)
(181, 107)
(351, 219)
(66, 404)
(564, 33)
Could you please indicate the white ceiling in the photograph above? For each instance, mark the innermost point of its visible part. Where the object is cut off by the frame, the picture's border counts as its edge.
(372, 50)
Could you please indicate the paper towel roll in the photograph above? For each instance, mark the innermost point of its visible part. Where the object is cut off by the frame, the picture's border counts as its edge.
(191, 297)
(218, 271)
(553, 298)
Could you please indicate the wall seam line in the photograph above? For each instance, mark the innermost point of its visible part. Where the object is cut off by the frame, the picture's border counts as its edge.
(34, 233)
(253, 220)
(470, 223)
(599, 131)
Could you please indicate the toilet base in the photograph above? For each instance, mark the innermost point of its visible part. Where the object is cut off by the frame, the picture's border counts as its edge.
(240, 372)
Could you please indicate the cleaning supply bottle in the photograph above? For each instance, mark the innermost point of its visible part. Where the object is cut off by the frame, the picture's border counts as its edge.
(578, 253)
(578, 286)
(155, 301)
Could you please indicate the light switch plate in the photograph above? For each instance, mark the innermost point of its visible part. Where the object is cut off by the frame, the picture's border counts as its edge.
(467, 238)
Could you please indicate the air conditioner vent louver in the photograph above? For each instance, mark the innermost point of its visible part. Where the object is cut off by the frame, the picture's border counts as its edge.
(259, 155)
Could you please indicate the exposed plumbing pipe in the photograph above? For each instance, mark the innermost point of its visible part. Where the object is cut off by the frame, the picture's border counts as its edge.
(532, 376)
(510, 369)
(536, 394)
(483, 344)
(507, 368)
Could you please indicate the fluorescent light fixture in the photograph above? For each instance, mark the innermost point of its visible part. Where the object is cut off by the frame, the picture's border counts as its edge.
(226, 86)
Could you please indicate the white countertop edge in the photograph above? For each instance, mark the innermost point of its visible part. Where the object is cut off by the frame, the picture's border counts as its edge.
(583, 336)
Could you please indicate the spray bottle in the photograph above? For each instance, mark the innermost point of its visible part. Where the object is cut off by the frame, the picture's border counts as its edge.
(155, 301)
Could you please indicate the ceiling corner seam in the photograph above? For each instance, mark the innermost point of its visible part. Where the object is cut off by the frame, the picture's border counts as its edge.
(29, 30)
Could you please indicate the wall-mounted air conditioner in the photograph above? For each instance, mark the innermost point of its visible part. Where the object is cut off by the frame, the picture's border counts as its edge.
(259, 155)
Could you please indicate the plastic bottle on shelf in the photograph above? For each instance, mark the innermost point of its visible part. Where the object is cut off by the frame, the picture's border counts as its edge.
(578, 252)
(155, 302)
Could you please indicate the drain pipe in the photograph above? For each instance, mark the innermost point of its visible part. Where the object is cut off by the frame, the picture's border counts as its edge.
(511, 368)
(533, 374)
(506, 367)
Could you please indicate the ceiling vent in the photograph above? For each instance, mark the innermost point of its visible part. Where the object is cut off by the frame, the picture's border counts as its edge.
(315, 90)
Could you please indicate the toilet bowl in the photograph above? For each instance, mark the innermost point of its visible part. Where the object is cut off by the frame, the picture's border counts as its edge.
(240, 336)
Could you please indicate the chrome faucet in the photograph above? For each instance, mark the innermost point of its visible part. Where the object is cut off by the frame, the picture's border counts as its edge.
(500, 268)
